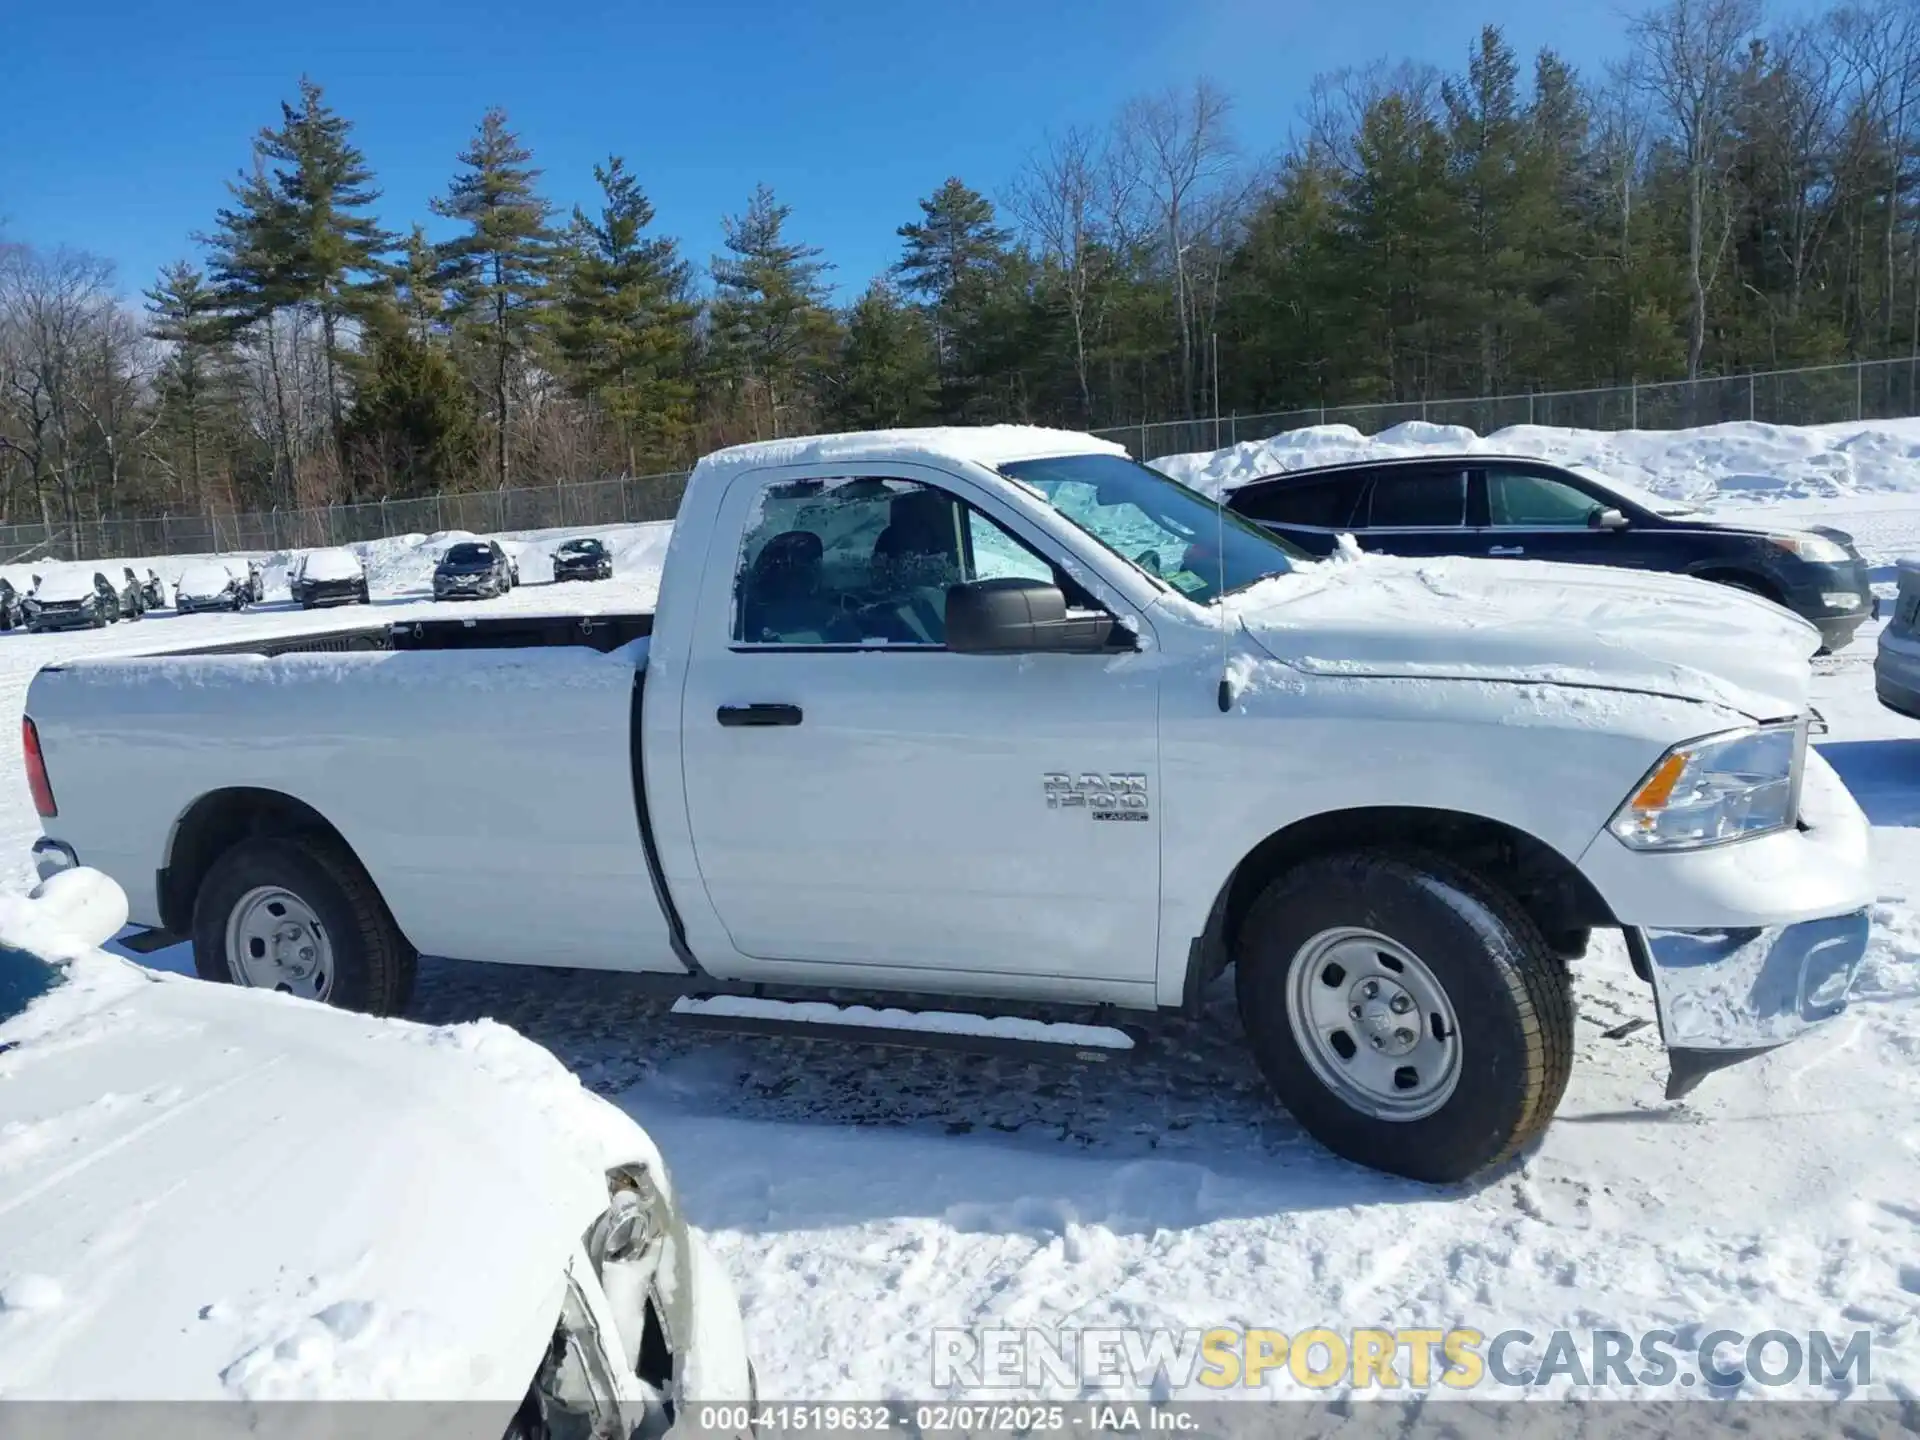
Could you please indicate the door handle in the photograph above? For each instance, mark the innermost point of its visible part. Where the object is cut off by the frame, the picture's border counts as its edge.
(758, 715)
(1507, 550)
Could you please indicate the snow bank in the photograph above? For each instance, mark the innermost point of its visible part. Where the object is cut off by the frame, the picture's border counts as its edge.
(1735, 464)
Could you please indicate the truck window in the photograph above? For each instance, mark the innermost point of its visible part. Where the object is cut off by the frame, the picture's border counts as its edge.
(863, 562)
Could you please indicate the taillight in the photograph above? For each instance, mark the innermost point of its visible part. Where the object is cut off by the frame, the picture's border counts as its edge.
(37, 769)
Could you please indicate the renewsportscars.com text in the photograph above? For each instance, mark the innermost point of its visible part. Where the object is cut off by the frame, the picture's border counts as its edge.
(1459, 1358)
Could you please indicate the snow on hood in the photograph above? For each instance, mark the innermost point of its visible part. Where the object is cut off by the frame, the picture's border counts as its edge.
(208, 1192)
(331, 565)
(66, 585)
(203, 582)
(1528, 621)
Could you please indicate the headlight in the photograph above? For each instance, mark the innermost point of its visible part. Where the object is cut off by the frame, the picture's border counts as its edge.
(1817, 548)
(1719, 788)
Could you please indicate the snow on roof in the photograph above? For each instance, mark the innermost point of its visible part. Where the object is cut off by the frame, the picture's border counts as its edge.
(988, 445)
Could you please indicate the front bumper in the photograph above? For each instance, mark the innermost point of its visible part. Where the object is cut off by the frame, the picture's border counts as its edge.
(1837, 624)
(62, 620)
(332, 592)
(1724, 996)
(1749, 945)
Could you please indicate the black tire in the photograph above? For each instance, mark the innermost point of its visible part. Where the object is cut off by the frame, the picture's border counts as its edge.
(374, 965)
(1511, 998)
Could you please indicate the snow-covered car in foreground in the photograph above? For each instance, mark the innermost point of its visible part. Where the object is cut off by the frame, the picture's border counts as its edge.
(328, 577)
(214, 1194)
(1001, 714)
(211, 586)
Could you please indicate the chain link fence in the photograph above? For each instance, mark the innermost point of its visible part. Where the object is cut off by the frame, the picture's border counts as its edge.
(1868, 390)
(620, 501)
(1818, 395)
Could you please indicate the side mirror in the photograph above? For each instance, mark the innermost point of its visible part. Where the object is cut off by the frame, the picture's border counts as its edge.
(1014, 616)
(1607, 519)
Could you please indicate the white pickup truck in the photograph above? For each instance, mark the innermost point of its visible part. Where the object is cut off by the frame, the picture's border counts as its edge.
(1002, 714)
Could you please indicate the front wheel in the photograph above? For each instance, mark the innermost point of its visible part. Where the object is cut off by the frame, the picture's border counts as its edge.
(297, 914)
(1409, 1015)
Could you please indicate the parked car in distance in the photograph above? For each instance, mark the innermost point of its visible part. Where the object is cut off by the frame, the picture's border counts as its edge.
(71, 599)
(132, 595)
(593, 1308)
(1896, 664)
(582, 559)
(12, 610)
(1395, 797)
(1520, 507)
(211, 585)
(473, 570)
(328, 577)
(155, 590)
(253, 576)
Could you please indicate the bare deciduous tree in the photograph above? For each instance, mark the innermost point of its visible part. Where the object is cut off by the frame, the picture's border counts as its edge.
(1179, 143)
(1687, 55)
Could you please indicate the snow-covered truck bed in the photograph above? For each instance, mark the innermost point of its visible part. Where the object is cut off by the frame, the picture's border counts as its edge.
(1000, 714)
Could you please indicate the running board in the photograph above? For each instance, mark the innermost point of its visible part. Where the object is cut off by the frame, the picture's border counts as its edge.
(916, 1029)
(145, 942)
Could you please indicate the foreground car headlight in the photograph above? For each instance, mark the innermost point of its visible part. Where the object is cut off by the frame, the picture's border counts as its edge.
(1719, 788)
(1808, 546)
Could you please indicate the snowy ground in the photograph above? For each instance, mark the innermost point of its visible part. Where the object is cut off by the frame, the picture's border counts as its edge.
(864, 1198)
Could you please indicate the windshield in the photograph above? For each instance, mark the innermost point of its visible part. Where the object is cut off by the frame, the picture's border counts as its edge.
(1659, 504)
(1176, 535)
(580, 547)
(206, 580)
(469, 555)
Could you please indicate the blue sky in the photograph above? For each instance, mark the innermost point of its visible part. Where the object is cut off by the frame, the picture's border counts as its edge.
(124, 119)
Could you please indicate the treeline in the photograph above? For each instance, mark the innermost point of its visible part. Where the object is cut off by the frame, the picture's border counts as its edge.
(1729, 197)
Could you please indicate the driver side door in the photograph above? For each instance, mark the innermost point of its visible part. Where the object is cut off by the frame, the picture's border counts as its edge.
(862, 798)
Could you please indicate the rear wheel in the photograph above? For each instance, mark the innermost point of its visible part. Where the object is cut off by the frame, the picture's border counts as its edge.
(1408, 1014)
(297, 914)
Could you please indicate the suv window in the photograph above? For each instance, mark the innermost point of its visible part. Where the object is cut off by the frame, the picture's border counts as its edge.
(1518, 497)
(864, 562)
(1425, 498)
(1326, 504)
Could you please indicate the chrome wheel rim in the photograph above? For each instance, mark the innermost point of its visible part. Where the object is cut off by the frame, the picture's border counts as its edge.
(275, 941)
(1374, 1024)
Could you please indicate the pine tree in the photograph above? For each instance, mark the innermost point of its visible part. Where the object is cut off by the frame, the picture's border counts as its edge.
(771, 325)
(494, 275)
(624, 324)
(190, 386)
(951, 259)
(417, 284)
(886, 374)
(412, 430)
(301, 231)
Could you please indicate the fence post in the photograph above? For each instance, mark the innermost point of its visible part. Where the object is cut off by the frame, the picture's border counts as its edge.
(1233, 428)
(1141, 453)
(385, 529)
(1633, 404)
(439, 511)
(166, 537)
(1749, 397)
(1529, 407)
(560, 501)
(1859, 406)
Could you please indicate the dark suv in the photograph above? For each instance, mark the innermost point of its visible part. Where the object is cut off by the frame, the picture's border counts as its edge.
(1517, 507)
(471, 570)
